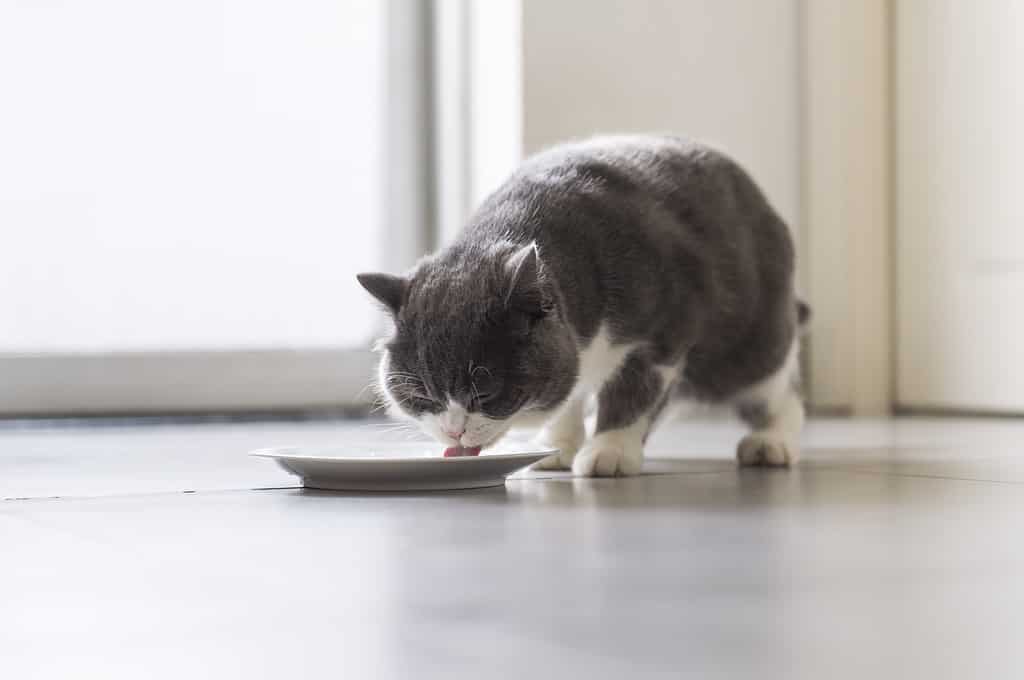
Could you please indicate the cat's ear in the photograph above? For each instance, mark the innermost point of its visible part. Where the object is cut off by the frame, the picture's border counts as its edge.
(527, 288)
(387, 288)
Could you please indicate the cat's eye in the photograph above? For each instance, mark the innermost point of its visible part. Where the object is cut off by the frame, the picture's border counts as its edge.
(428, 405)
(481, 398)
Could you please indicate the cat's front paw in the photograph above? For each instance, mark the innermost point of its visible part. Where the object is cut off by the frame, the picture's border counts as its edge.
(608, 455)
(557, 461)
(766, 448)
(567, 440)
(562, 460)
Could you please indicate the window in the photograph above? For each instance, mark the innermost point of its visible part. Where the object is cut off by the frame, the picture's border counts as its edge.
(187, 190)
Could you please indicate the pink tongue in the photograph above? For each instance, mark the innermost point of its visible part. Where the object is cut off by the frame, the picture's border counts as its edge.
(454, 451)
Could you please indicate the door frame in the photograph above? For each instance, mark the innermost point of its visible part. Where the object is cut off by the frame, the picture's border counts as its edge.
(847, 262)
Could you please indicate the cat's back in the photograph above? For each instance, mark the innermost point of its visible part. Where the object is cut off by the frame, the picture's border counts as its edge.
(661, 165)
(652, 183)
(647, 192)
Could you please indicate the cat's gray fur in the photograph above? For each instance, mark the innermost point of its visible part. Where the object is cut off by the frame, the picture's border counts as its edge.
(666, 244)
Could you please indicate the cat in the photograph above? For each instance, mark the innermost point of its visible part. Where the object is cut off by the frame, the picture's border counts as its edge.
(628, 270)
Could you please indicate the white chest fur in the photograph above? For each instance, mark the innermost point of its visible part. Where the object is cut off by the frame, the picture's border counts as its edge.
(599, 361)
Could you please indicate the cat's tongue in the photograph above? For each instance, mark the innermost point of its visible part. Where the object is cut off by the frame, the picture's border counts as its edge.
(453, 451)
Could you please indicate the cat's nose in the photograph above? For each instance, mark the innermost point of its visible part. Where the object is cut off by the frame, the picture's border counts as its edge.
(453, 421)
(454, 434)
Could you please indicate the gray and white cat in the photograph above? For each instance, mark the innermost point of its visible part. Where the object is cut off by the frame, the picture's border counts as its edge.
(624, 269)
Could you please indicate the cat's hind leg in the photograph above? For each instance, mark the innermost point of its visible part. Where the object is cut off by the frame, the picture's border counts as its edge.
(627, 406)
(775, 412)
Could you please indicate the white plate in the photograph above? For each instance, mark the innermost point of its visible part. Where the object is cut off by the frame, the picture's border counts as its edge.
(401, 466)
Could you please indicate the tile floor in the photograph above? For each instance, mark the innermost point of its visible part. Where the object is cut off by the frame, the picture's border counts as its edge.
(895, 551)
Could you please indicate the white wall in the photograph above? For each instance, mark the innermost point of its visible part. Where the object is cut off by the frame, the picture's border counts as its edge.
(725, 72)
(960, 211)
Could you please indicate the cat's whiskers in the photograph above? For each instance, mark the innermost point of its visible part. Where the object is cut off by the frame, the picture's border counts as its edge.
(472, 379)
(371, 386)
(473, 371)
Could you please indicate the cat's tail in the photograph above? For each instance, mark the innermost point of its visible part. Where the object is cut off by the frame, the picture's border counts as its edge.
(803, 315)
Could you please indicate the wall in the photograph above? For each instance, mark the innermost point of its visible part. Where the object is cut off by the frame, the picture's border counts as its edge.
(725, 71)
(960, 217)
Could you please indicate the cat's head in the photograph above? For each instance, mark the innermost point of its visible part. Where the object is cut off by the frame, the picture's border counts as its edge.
(478, 343)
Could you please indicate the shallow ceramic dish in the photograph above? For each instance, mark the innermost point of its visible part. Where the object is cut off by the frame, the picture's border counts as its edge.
(401, 466)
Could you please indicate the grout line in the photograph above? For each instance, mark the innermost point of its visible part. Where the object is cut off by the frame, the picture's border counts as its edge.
(144, 494)
(74, 497)
(642, 475)
(918, 475)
